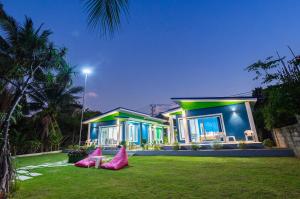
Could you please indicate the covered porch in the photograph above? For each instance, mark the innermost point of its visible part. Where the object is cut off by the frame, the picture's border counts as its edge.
(131, 131)
(124, 126)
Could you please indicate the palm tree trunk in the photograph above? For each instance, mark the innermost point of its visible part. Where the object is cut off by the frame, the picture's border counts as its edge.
(6, 170)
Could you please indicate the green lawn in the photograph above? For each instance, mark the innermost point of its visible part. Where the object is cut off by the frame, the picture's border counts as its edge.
(167, 177)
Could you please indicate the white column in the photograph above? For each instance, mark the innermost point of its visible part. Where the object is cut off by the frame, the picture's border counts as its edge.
(150, 133)
(154, 133)
(171, 126)
(89, 131)
(126, 131)
(185, 127)
(118, 131)
(169, 134)
(251, 121)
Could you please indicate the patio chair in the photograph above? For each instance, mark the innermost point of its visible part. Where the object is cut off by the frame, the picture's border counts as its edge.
(249, 136)
(221, 137)
(88, 161)
(118, 162)
(230, 139)
(88, 142)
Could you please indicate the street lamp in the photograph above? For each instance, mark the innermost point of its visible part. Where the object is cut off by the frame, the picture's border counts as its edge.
(86, 72)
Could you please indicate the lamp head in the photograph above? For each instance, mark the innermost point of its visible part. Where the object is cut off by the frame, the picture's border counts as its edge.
(86, 71)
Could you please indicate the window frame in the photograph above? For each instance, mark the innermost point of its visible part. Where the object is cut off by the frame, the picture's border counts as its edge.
(180, 127)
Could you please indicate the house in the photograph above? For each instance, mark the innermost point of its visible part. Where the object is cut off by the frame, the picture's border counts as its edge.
(195, 120)
(121, 124)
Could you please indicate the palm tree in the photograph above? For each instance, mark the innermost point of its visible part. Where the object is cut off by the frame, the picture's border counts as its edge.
(25, 52)
(54, 95)
(105, 15)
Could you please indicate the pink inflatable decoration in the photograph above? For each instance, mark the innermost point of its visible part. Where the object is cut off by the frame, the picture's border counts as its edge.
(118, 162)
(88, 162)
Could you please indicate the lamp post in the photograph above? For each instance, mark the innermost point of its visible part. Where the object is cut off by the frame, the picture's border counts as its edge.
(85, 71)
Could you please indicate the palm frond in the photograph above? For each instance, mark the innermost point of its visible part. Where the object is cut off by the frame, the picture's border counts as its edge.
(105, 15)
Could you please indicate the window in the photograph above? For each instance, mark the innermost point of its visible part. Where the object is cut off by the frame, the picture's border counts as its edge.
(108, 135)
(194, 129)
(181, 130)
(211, 127)
(159, 134)
(202, 128)
(133, 131)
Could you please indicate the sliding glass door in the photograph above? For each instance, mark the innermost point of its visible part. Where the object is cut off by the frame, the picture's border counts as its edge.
(133, 132)
(108, 135)
(202, 128)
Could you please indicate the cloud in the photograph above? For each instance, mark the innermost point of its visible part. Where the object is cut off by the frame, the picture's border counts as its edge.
(92, 94)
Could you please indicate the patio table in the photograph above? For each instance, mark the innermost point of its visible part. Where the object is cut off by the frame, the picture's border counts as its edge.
(98, 160)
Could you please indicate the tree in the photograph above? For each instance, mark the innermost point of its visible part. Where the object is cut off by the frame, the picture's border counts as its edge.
(25, 52)
(51, 95)
(105, 15)
(279, 101)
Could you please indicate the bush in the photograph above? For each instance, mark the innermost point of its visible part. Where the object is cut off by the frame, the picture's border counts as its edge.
(132, 146)
(74, 147)
(217, 146)
(77, 155)
(91, 148)
(242, 145)
(166, 140)
(268, 143)
(143, 144)
(176, 146)
(195, 147)
(123, 143)
(156, 147)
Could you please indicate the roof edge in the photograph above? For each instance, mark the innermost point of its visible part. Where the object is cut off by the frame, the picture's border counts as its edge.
(121, 109)
(214, 99)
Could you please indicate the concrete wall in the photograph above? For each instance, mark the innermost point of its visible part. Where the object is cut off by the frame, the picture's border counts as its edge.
(288, 136)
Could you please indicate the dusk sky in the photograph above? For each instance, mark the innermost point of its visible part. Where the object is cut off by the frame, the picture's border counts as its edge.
(168, 48)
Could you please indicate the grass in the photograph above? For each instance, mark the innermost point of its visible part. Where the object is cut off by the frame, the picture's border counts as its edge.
(167, 177)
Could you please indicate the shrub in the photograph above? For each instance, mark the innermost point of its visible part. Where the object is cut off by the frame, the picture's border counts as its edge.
(156, 147)
(166, 140)
(268, 143)
(144, 143)
(91, 148)
(217, 146)
(74, 147)
(146, 147)
(132, 146)
(176, 146)
(195, 147)
(76, 155)
(123, 143)
(242, 145)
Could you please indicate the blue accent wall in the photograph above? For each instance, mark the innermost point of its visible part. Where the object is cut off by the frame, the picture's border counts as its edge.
(145, 131)
(123, 131)
(94, 131)
(235, 119)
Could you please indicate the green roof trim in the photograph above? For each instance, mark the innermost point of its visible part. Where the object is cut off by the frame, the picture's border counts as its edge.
(123, 117)
(198, 105)
(176, 113)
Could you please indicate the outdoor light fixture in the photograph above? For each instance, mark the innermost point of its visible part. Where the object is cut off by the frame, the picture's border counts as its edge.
(86, 72)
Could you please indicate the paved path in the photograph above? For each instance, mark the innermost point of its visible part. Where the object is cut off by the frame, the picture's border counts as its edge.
(25, 173)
